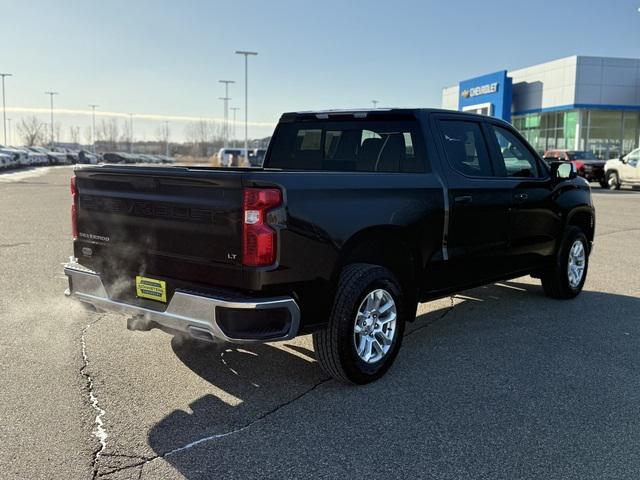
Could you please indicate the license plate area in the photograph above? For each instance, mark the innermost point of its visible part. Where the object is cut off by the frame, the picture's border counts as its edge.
(151, 288)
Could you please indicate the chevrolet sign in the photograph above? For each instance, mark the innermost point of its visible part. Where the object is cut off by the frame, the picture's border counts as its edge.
(480, 90)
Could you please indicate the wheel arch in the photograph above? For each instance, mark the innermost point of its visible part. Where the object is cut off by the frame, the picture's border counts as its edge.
(387, 245)
(583, 218)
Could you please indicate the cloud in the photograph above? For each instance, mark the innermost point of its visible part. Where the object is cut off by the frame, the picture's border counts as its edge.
(140, 116)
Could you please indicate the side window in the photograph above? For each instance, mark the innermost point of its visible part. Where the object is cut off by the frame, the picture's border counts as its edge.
(518, 161)
(465, 147)
(632, 158)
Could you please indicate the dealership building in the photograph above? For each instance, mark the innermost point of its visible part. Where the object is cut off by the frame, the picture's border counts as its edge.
(577, 103)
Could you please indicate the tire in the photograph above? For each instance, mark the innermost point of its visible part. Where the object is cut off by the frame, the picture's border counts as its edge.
(335, 346)
(603, 183)
(613, 181)
(557, 280)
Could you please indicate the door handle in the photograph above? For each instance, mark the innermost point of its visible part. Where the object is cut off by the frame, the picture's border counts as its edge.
(521, 197)
(463, 199)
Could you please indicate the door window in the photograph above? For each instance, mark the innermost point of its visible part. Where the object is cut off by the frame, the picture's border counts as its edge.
(633, 157)
(465, 147)
(514, 159)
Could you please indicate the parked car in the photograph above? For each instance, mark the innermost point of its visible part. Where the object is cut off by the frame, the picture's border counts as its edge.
(354, 218)
(86, 157)
(6, 161)
(21, 157)
(588, 165)
(623, 170)
(38, 156)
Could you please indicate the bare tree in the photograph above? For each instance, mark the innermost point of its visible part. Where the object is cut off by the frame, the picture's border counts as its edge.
(107, 132)
(163, 133)
(57, 130)
(125, 137)
(204, 136)
(31, 131)
(88, 135)
(74, 134)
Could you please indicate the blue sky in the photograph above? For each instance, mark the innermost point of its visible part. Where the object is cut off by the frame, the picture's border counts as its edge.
(165, 58)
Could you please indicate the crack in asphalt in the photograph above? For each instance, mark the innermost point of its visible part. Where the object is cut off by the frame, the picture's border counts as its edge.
(145, 460)
(99, 431)
(13, 245)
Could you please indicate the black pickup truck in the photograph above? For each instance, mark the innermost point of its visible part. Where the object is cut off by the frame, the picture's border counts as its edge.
(354, 218)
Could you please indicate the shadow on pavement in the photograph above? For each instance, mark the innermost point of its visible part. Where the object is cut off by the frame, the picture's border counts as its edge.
(489, 387)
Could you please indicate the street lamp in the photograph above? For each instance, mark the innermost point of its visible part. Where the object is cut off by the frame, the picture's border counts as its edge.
(375, 103)
(225, 122)
(166, 137)
(4, 107)
(130, 132)
(246, 99)
(226, 110)
(51, 94)
(93, 126)
(235, 111)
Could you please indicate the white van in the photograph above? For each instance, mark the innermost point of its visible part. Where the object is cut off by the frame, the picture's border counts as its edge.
(232, 157)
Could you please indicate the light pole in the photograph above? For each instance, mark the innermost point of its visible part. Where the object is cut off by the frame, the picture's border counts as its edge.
(235, 111)
(10, 133)
(375, 103)
(4, 106)
(130, 132)
(166, 137)
(51, 94)
(225, 122)
(226, 109)
(246, 99)
(93, 126)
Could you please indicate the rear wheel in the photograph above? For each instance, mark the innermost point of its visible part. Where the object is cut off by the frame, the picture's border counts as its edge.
(566, 277)
(613, 181)
(366, 325)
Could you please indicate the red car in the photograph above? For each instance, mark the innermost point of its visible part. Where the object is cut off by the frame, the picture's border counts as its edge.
(587, 165)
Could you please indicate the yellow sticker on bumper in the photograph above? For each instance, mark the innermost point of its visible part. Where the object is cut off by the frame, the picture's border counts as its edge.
(151, 288)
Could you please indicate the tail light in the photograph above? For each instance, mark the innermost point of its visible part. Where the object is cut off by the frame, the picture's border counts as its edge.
(74, 208)
(258, 238)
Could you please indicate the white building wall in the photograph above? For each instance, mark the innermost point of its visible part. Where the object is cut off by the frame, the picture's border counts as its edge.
(550, 84)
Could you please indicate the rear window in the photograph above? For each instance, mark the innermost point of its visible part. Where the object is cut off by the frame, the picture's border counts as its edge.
(364, 146)
(588, 155)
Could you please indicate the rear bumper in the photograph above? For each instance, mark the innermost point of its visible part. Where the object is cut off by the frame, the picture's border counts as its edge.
(237, 320)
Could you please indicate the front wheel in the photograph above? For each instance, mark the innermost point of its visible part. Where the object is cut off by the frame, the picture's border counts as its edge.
(613, 181)
(366, 325)
(566, 277)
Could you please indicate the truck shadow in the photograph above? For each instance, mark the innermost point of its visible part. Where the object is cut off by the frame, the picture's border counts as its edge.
(263, 378)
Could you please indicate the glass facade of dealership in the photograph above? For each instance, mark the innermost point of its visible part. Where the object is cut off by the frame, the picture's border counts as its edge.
(608, 133)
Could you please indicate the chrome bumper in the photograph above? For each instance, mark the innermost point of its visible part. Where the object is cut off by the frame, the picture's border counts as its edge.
(189, 313)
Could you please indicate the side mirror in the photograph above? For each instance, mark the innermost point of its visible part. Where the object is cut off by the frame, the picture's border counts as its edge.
(563, 170)
(623, 159)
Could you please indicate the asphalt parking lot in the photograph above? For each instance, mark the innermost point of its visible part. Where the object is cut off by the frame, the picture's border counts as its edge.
(498, 382)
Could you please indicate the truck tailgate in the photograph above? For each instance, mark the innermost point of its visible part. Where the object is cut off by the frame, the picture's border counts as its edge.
(179, 223)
